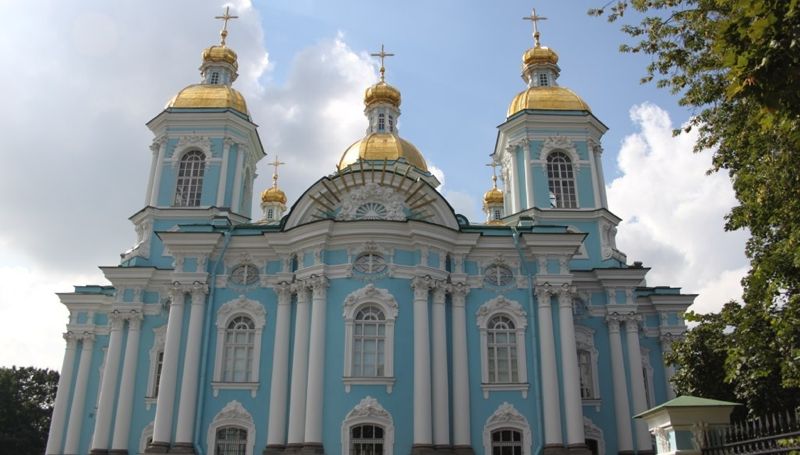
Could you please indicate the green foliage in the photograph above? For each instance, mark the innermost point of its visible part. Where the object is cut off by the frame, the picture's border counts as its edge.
(737, 64)
(27, 396)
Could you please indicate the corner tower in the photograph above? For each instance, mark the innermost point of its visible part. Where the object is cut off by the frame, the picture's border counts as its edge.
(205, 150)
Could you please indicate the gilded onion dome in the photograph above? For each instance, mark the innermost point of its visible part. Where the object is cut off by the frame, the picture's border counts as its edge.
(382, 142)
(493, 196)
(540, 71)
(209, 96)
(220, 53)
(273, 194)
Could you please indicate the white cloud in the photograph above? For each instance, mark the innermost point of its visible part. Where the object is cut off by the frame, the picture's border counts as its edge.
(673, 212)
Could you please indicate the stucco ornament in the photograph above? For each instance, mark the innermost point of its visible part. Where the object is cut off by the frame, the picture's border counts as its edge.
(500, 304)
(562, 143)
(241, 305)
(370, 293)
(234, 411)
(201, 143)
(507, 416)
(369, 407)
(372, 202)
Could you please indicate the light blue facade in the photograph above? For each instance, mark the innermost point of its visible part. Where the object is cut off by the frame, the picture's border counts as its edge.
(554, 271)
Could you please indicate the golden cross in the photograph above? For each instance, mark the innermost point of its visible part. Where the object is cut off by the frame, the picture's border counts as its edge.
(382, 55)
(275, 163)
(225, 18)
(535, 19)
(494, 165)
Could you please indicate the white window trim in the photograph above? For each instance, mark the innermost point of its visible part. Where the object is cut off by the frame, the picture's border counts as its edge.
(592, 431)
(648, 376)
(584, 340)
(233, 414)
(369, 295)
(147, 432)
(177, 166)
(239, 307)
(159, 341)
(369, 411)
(507, 417)
(512, 309)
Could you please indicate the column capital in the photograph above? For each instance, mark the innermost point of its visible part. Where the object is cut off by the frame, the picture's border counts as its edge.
(566, 292)
(458, 289)
(632, 321)
(86, 337)
(284, 291)
(421, 285)
(70, 338)
(318, 283)
(613, 320)
(544, 292)
(134, 320)
(439, 292)
(199, 287)
(117, 319)
(157, 143)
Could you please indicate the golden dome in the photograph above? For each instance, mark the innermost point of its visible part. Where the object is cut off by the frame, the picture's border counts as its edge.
(382, 93)
(209, 96)
(539, 55)
(547, 98)
(382, 146)
(493, 196)
(273, 195)
(220, 53)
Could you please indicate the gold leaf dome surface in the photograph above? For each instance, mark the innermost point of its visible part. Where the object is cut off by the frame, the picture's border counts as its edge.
(539, 55)
(383, 146)
(493, 196)
(382, 93)
(273, 194)
(220, 53)
(209, 96)
(547, 98)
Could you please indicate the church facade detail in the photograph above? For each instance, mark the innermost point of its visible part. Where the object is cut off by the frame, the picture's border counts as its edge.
(368, 317)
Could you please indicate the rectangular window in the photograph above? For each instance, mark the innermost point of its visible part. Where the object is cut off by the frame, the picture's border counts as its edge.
(543, 81)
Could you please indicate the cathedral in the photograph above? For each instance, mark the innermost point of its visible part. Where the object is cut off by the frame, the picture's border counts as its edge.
(367, 317)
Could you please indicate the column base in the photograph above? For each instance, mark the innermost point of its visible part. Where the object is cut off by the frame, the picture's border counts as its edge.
(578, 449)
(182, 447)
(422, 449)
(443, 450)
(555, 449)
(275, 449)
(98, 452)
(118, 452)
(463, 450)
(157, 447)
(312, 448)
(626, 452)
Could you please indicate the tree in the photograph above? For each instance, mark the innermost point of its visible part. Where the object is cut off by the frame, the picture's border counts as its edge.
(27, 396)
(736, 63)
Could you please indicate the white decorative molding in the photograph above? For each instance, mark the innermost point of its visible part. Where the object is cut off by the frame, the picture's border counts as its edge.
(561, 143)
(186, 143)
(507, 417)
(381, 298)
(159, 341)
(242, 305)
(500, 305)
(393, 202)
(608, 242)
(146, 437)
(592, 431)
(234, 415)
(369, 411)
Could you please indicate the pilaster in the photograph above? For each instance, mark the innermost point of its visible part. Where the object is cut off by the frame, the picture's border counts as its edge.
(297, 393)
(79, 394)
(122, 422)
(441, 405)
(58, 423)
(569, 363)
(316, 363)
(621, 406)
(461, 415)
(547, 352)
(276, 432)
(108, 385)
(423, 440)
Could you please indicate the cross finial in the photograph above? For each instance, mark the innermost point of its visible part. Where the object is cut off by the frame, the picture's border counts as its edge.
(275, 163)
(382, 55)
(494, 165)
(535, 19)
(225, 18)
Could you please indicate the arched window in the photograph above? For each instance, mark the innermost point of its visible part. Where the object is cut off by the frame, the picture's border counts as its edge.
(230, 441)
(239, 338)
(190, 179)
(502, 324)
(369, 317)
(366, 439)
(561, 180)
(369, 342)
(506, 442)
(502, 349)
(507, 432)
(381, 122)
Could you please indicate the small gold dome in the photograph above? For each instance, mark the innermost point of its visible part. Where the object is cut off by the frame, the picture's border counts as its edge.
(382, 93)
(209, 96)
(382, 146)
(547, 98)
(220, 53)
(273, 195)
(539, 55)
(493, 196)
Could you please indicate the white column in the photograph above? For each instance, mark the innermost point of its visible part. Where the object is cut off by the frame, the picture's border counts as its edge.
(669, 369)
(122, 423)
(57, 422)
(237, 179)
(458, 292)
(547, 352)
(187, 406)
(79, 396)
(637, 380)
(276, 432)
(441, 403)
(516, 204)
(422, 363)
(157, 176)
(569, 364)
(108, 385)
(316, 361)
(297, 393)
(526, 147)
(621, 407)
(155, 146)
(223, 171)
(597, 152)
(162, 427)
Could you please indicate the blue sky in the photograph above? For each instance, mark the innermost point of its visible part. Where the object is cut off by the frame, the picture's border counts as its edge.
(83, 77)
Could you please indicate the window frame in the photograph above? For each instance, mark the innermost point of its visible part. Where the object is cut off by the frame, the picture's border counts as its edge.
(507, 417)
(191, 184)
(561, 179)
(232, 415)
(501, 306)
(159, 343)
(381, 299)
(225, 315)
(368, 412)
(584, 341)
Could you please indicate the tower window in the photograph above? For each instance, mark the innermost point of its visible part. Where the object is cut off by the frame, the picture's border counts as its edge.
(391, 124)
(561, 180)
(543, 80)
(270, 214)
(497, 214)
(215, 77)
(190, 179)
(381, 122)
